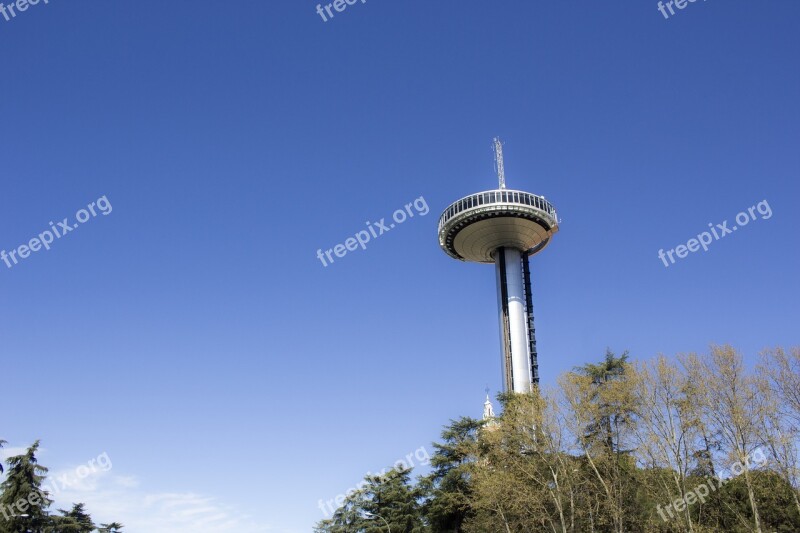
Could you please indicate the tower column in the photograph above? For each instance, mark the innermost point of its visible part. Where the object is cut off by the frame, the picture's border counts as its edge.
(514, 323)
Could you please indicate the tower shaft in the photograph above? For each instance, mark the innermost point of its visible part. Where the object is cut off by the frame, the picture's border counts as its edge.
(515, 309)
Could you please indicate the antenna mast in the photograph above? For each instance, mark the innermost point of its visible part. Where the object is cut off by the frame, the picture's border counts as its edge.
(498, 161)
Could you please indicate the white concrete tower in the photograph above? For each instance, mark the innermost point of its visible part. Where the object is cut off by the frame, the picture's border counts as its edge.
(504, 227)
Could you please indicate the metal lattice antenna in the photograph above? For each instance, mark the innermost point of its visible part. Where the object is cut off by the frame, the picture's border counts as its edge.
(498, 161)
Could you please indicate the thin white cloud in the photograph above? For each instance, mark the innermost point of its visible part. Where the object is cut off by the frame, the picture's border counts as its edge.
(113, 497)
(118, 500)
(5, 453)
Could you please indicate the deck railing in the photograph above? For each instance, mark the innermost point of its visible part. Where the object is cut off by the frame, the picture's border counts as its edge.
(503, 197)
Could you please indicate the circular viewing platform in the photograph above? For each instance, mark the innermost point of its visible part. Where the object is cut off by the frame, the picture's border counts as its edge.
(472, 228)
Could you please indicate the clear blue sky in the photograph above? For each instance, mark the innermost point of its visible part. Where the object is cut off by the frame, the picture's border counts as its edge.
(192, 333)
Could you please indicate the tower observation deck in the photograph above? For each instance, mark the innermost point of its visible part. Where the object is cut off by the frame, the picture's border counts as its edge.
(504, 227)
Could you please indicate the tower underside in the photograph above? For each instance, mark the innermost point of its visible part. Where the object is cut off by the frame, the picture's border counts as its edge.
(515, 309)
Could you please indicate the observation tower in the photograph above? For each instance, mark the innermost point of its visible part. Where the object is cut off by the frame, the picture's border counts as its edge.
(504, 227)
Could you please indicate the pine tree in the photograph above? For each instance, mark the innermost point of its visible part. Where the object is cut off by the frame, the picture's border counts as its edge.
(23, 503)
(386, 504)
(447, 488)
(611, 416)
(77, 520)
(393, 500)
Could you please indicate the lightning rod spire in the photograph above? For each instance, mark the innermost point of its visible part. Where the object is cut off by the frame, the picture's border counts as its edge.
(498, 161)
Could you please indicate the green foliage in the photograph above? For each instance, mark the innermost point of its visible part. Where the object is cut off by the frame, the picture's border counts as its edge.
(386, 503)
(75, 520)
(612, 416)
(447, 488)
(592, 455)
(23, 503)
(728, 508)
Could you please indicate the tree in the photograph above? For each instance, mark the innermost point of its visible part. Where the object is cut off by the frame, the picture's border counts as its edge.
(602, 407)
(75, 520)
(522, 477)
(447, 490)
(386, 504)
(667, 430)
(611, 416)
(347, 518)
(732, 407)
(779, 384)
(615, 448)
(23, 503)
